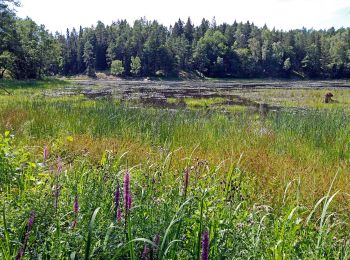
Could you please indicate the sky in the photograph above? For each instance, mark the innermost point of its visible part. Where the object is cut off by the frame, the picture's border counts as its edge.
(57, 15)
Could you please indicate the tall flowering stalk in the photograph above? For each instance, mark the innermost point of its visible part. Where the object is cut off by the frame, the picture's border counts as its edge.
(186, 181)
(156, 241)
(57, 187)
(76, 204)
(75, 210)
(31, 219)
(117, 203)
(127, 207)
(145, 252)
(127, 194)
(56, 194)
(59, 165)
(45, 153)
(119, 215)
(205, 246)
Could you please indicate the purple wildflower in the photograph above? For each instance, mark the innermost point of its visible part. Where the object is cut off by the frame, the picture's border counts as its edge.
(26, 237)
(119, 215)
(205, 246)
(59, 165)
(127, 199)
(145, 252)
(31, 221)
(75, 210)
(45, 153)
(76, 204)
(56, 194)
(156, 241)
(117, 196)
(116, 202)
(20, 254)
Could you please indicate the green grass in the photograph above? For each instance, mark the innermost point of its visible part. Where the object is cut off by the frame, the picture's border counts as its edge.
(263, 187)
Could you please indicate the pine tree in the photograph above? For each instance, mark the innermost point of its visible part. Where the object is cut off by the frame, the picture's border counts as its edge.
(89, 59)
(189, 30)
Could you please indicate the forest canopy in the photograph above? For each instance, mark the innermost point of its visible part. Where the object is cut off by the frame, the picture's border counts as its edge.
(148, 48)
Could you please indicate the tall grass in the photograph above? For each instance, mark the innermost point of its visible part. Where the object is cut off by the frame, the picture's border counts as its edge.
(271, 187)
(237, 226)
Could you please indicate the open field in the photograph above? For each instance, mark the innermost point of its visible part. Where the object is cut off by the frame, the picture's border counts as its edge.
(201, 156)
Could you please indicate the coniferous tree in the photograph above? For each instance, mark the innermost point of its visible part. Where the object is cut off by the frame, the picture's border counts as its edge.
(89, 59)
(28, 50)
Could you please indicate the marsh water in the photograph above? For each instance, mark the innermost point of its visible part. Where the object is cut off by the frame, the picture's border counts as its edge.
(172, 94)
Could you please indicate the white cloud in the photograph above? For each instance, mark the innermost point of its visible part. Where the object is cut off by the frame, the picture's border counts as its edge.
(282, 14)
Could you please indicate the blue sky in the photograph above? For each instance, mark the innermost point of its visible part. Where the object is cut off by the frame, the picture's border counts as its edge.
(57, 15)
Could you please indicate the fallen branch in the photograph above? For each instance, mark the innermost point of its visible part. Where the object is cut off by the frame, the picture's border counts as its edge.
(4, 89)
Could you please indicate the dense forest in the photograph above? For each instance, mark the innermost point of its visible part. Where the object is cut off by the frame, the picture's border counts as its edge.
(147, 48)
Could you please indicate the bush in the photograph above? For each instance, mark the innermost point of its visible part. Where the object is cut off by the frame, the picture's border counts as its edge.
(117, 67)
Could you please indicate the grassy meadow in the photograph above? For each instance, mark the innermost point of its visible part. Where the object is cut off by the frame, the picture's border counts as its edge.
(105, 179)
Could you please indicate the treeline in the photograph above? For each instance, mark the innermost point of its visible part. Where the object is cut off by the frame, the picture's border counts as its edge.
(148, 48)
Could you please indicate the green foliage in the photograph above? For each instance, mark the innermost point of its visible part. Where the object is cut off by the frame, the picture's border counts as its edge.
(242, 49)
(117, 67)
(7, 63)
(13, 162)
(219, 203)
(243, 211)
(89, 59)
(135, 66)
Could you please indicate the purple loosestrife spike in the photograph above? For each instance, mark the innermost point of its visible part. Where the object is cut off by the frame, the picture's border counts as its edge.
(76, 204)
(205, 246)
(116, 203)
(20, 254)
(119, 215)
(117, 196)
(59, 165)
(156, 241)
(45, 153)
(145, 252)
(21, 251)
(56, 192)
(31, 220)
(126, 192)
